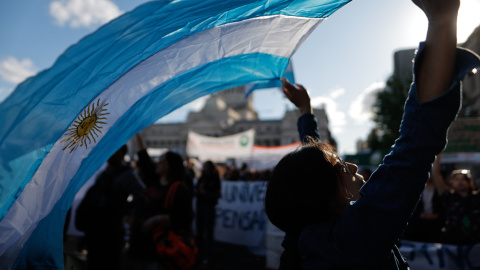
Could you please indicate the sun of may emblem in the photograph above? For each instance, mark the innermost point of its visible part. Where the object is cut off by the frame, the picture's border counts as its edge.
(86, 126)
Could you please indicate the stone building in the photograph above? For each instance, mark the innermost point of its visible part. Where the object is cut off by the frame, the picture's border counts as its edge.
(229, 112)
(463, 149)
(470, 114)
(471, 84)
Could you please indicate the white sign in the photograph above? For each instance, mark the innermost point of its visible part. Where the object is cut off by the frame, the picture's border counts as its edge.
(222, 148)
(426, 256)
(240, 215)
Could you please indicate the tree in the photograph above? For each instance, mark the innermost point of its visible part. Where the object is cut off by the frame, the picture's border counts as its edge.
(387, 113)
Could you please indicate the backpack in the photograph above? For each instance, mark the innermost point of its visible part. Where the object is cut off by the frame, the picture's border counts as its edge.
(95, 206)
(176, 248)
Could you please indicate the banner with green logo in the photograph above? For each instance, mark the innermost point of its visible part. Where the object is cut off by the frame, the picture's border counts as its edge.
(220, 149)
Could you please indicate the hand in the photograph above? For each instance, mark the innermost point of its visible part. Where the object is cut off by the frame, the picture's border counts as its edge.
(297, 95)
(439, 11)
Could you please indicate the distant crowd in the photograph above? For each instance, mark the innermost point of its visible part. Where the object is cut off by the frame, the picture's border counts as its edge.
(449, 209)
(135, 210)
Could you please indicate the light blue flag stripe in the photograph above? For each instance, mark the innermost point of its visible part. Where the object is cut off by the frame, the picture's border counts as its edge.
(288, 74)
(36, 116)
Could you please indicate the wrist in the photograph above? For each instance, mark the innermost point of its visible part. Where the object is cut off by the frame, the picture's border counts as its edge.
(446, 21)
(306, 109)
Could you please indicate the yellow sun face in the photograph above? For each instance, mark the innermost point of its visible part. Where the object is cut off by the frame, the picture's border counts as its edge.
(86, 126)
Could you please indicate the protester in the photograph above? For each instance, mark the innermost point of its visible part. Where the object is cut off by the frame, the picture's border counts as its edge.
(208, 192)
(151, 212)
(144, 164)
(190, 172)
(231, 173)
(426, 222)
(462, 206)
(105, 239)
(315, 197)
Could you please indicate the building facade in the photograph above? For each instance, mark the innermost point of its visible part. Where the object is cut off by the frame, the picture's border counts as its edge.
(229, 112)
(471, 84)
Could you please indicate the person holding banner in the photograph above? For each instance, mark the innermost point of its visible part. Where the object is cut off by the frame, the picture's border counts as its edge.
(317, 199)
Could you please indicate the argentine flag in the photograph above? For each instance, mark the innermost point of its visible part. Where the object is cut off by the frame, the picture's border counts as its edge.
(60, 126)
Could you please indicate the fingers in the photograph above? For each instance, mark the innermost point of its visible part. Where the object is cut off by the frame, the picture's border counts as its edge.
(288, 87)
(300, 87)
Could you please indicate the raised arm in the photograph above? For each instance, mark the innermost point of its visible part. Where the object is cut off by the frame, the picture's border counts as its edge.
(437, 64)
(298, 96)
(138, 141)
(390, 196)
(307, 123)
(437, 177)
(145, 163)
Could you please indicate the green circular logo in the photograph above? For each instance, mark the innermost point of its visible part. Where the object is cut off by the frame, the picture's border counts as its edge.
(244, 140)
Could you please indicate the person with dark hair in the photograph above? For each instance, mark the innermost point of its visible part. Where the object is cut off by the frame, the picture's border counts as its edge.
(426, 222)
(462, 206)
(208, 191)
(151, 212)
(105, 240)
(332, 222)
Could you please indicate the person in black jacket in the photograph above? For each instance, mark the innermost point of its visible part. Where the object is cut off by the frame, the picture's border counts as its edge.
(105, 240)
(151, 212)
(208, 192)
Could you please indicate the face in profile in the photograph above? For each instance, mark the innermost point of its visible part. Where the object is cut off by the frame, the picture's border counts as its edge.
(350, 182)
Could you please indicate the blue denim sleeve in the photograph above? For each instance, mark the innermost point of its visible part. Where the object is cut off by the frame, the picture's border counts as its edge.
(307, 126)
(369, 229)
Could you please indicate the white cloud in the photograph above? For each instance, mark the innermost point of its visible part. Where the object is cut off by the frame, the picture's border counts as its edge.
(83, 13)
(16, 71)
(337, 92)
(336, 118)
(361, 108)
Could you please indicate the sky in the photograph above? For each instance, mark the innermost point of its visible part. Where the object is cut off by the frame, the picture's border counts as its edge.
(342, 64)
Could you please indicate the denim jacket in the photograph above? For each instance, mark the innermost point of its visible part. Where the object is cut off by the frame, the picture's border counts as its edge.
(364, 237)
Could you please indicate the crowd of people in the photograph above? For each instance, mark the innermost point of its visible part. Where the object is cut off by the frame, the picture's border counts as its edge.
(143, 200)
(449, 210)
(332, 217)
(135, 193)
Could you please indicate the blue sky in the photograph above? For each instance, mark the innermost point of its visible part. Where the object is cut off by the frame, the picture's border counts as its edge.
(344, 61)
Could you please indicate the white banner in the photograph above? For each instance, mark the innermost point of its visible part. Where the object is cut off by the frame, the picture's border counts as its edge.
(426, 256)
(219, 149)
(240, 215)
